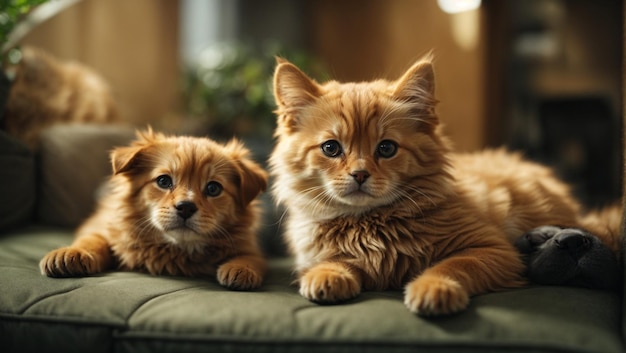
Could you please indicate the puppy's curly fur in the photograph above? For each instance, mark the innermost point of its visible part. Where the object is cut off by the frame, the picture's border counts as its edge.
(178, 206)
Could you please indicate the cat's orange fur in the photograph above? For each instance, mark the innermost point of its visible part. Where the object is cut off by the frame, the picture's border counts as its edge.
(140, 226)
(437, 224)
(46, 91)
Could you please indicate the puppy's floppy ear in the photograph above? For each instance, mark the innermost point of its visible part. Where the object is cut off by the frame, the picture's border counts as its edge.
(253, 181)
(251, 177)
(124, 159)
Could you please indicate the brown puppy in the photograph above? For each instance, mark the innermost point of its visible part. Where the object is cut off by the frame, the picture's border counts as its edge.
(178, 206)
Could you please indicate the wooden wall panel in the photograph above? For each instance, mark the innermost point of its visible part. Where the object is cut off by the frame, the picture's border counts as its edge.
(133, 44)
(365, 39)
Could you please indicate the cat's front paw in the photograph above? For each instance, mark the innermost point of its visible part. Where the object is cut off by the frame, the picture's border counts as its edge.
(329, 283)
(432, 295)
(70, 262)
(239, 276)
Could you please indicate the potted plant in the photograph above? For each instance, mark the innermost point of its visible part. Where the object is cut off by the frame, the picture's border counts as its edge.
(18, 18)
(11, 13)
(228, 91)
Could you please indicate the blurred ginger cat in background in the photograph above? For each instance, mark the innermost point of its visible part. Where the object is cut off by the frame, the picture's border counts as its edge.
(375, 199)
(46, 91)
(178, 206)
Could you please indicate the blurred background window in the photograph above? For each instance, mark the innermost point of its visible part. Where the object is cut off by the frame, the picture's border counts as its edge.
(541, 76)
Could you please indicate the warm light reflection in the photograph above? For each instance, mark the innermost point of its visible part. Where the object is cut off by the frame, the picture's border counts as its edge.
(465, 28)
(456, 6)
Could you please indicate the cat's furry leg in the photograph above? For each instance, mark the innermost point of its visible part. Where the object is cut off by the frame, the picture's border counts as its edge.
(242, 272)
(330, 282)
(606, 224)
(445, 288)
(89, 254)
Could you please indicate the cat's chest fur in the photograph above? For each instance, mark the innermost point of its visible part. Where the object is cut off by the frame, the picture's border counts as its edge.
(383, 244)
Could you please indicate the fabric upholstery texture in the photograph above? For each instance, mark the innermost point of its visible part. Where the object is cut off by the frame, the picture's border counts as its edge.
(74, 162)
(135, 312)
(17, 182)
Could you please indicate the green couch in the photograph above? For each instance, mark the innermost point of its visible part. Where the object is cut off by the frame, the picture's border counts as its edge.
(44, 196)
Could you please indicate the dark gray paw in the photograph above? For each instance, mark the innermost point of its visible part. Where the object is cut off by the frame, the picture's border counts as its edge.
(568, 256)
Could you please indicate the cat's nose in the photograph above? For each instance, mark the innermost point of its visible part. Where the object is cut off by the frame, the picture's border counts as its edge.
(185, 209)
(360, 176)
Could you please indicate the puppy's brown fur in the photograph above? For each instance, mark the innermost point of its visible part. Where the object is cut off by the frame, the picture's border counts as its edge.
(177, 205)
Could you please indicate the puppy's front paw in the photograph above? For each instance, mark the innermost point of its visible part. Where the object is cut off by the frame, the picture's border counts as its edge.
(239, 276)
(329, 283)
(70, 262)
(432, 295)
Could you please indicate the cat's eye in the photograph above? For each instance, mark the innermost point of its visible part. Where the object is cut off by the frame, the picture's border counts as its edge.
(164, 182)
(386, 149)
(331, 148)
(213, 189)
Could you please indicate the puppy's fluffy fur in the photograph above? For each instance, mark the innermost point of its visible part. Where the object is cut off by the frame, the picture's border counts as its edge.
(177, 205)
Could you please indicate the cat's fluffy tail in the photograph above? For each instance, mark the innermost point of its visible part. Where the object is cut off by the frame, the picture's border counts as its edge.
(606, 224)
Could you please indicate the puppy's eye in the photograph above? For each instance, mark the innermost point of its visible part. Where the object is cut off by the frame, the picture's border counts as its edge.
(164, 182)
(386, 149)
(331, 148)
(213, 189)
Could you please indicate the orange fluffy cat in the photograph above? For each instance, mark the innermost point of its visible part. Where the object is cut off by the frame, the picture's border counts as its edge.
(375, 198)
(46, 90)
(177, 205)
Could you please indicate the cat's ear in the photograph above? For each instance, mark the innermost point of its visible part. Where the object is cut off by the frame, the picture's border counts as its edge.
(417, 85)
(292, 87)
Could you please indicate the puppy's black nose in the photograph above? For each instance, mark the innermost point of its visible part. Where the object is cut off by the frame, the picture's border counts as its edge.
(573, 242)
(185, 209)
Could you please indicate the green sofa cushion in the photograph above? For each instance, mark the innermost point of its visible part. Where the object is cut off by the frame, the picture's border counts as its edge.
(74, 162)
(134, 312)
(17, 182)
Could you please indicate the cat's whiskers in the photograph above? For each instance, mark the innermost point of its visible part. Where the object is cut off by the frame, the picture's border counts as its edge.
(420, 192)
(399, 195)
(282, 217)
(305, 193)
(321, 202)
(312, 198)
(407, 191)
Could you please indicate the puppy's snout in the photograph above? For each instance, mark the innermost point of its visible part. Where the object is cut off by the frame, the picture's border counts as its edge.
(573, 242)
(185, 209)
